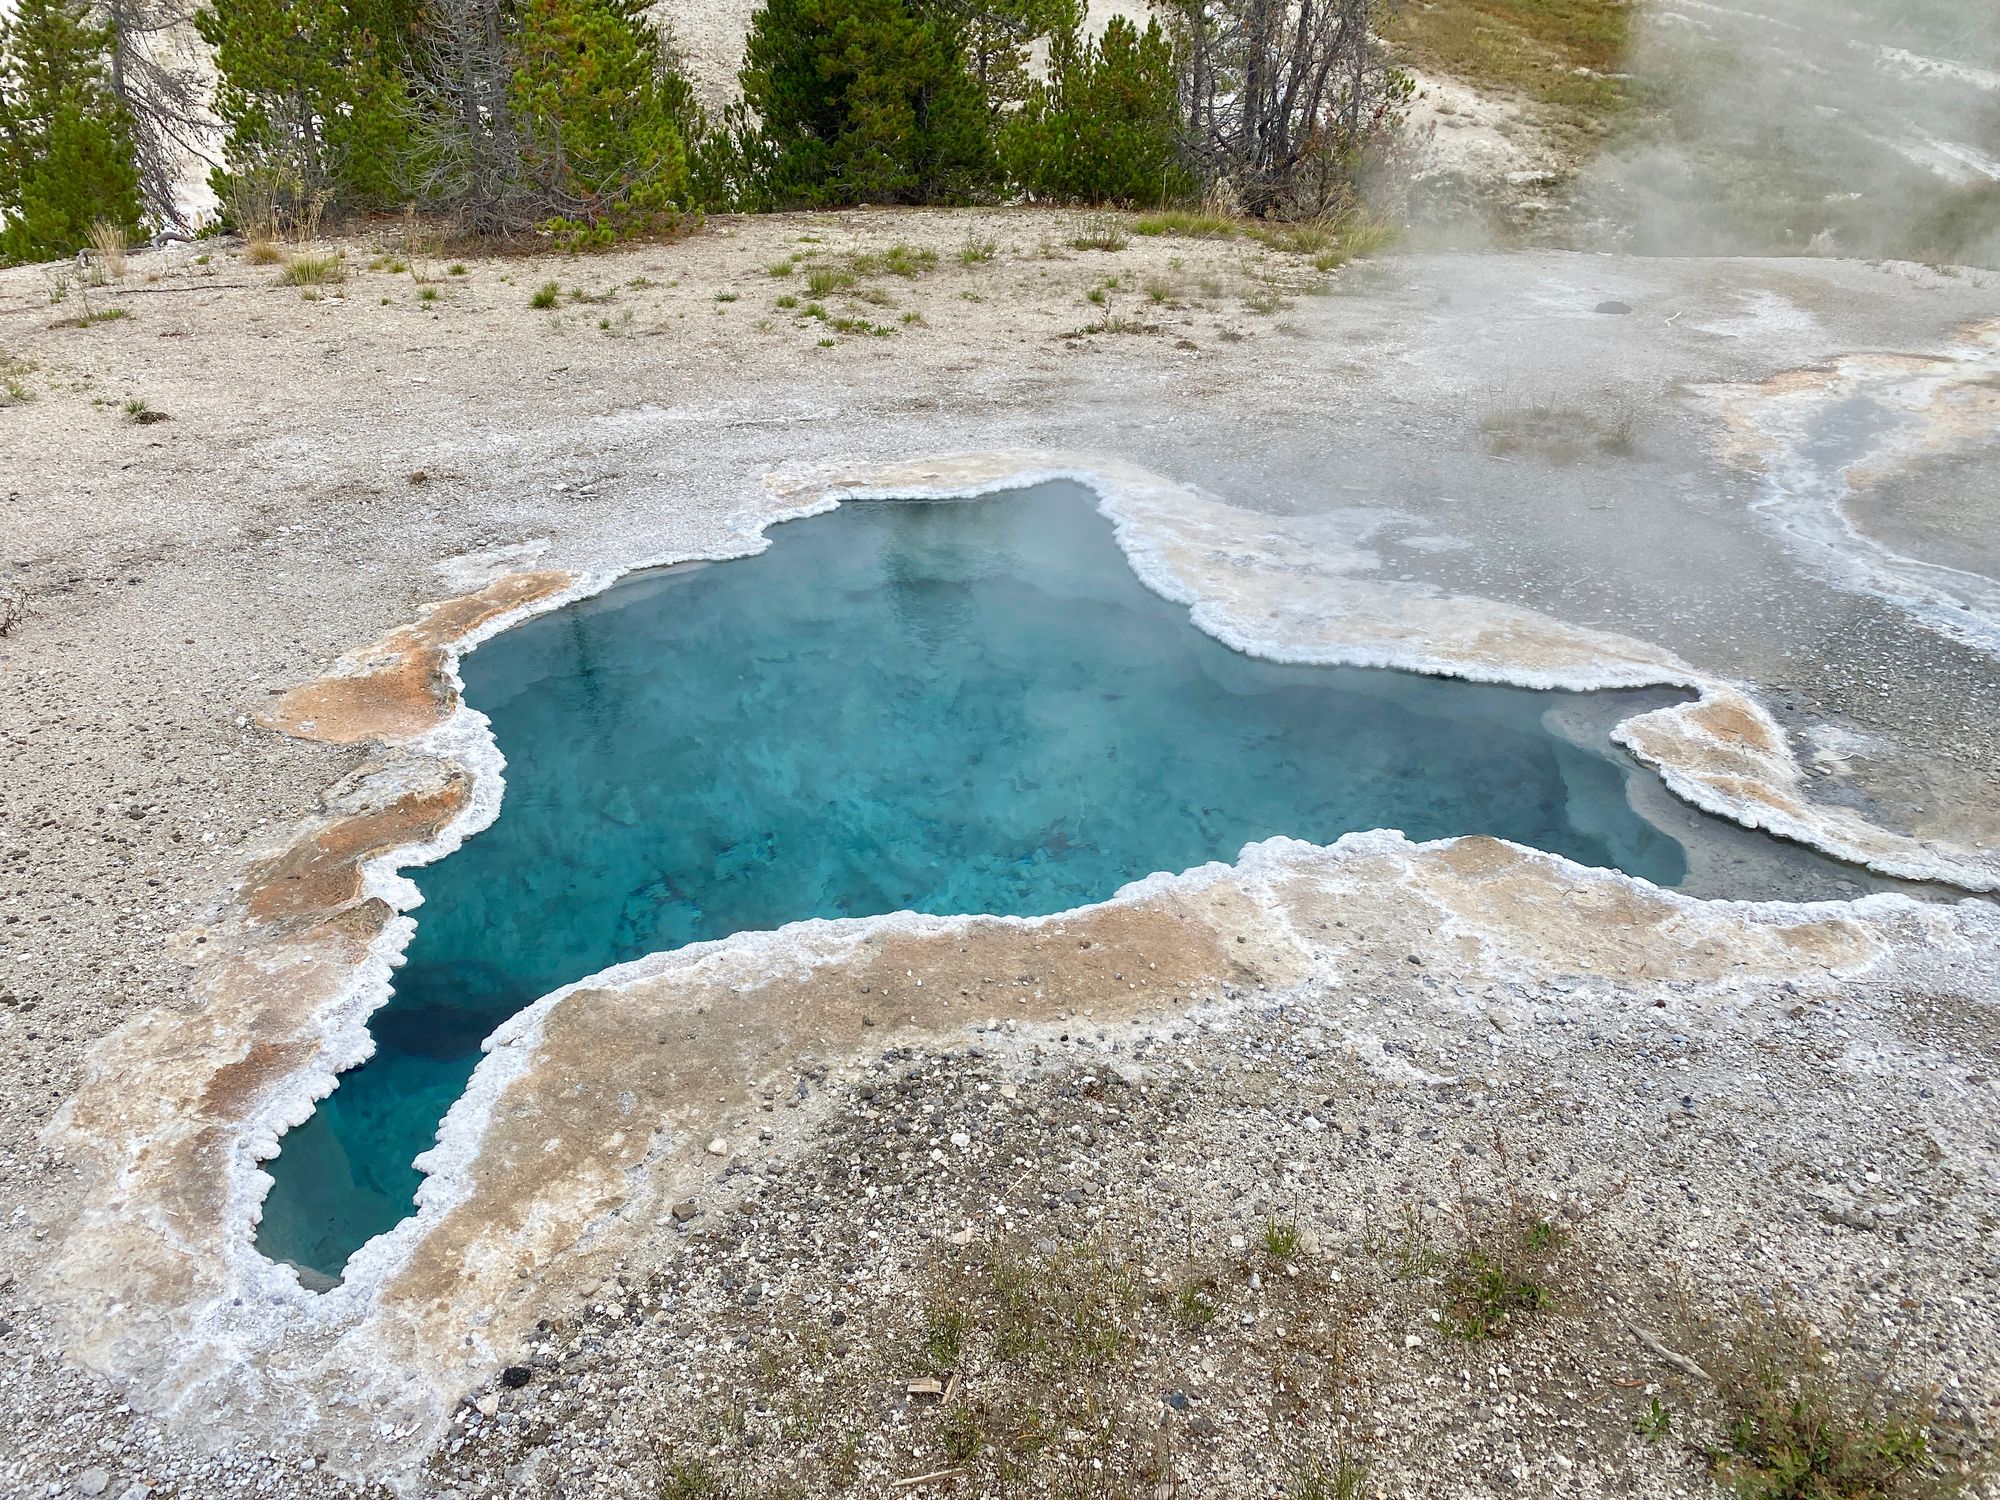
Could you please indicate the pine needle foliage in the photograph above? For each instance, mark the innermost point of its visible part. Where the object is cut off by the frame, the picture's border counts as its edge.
(862, 101)
(66, 159)
(1104, 126)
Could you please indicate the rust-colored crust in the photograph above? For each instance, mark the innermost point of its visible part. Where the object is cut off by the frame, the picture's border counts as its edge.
(650, 1074)
(282, 957)
(395, 690)
(320, 875)
(1958, 405)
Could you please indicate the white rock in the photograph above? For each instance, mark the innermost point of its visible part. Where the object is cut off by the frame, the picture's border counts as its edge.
(718, 1147)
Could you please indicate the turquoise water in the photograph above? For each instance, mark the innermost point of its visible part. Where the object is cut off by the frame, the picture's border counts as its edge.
(926, 706)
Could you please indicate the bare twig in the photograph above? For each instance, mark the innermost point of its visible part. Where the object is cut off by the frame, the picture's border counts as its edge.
(1671, 1357)
(916, 1479)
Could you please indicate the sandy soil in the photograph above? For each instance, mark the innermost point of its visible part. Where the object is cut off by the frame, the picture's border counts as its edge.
(316, 463)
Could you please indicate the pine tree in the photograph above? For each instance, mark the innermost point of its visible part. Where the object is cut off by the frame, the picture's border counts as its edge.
(65, 144)
(997, 37)
(563, 115)
(865, 101)
(595, 111)
(313, 98)
(1103, 126)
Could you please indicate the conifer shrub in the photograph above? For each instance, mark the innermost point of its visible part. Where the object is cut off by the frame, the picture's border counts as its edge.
(313, 99)
(597, 121)
(1102, 127)
(65, 144)
(861, 101)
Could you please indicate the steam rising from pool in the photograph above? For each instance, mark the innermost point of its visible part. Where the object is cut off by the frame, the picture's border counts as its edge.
(932, 706)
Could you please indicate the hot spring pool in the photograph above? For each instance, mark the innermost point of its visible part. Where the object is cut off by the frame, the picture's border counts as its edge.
(946, 707)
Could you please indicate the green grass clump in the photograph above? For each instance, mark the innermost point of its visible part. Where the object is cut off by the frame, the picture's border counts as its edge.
(1504, 1261)
(1341, 1480)
(905, 260)
(1188, 223)
(1065, 1309)
(824, 281)
(976, 250)
(944, 1336)
(14, 387)
(1499, 1276)
(860, 325)
(547, 295)
(90, 316)
(1191, 1305)
(1800, 1425)
(1281, 1239)
(690, 1479)
(313, 270)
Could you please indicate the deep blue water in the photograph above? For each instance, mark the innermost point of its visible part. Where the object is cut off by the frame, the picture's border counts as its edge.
(928, 706)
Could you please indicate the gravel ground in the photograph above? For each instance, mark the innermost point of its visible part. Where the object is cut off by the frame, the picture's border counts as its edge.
(319, 459)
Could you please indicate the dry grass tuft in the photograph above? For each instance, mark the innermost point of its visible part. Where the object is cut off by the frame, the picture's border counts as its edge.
(1563, 434)
(108, 241)
(1100, 232)
(309, 270)
(14, 387)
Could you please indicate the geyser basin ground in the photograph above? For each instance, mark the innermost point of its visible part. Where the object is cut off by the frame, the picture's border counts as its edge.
(950, 707)
(279, 530)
